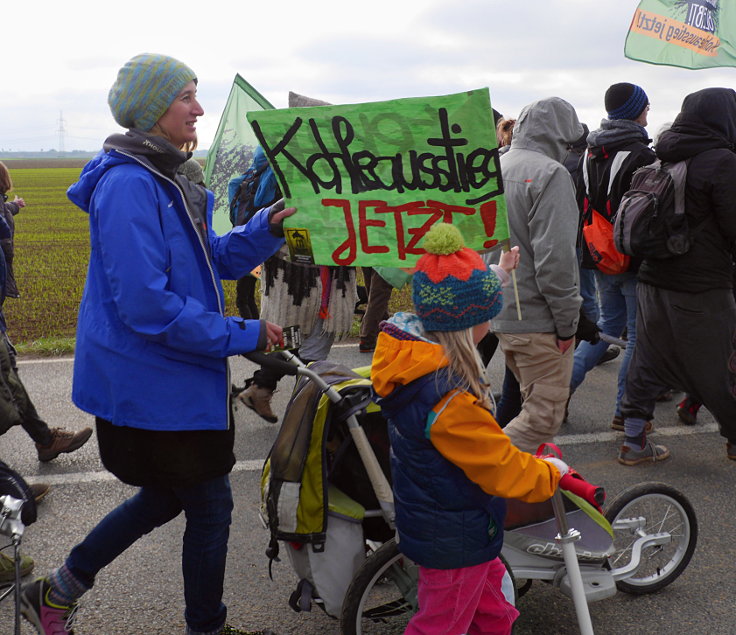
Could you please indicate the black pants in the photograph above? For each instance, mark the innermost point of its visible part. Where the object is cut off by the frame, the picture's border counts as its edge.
(684, 341)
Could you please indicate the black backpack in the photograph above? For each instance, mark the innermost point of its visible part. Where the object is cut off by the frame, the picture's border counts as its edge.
(651, 220)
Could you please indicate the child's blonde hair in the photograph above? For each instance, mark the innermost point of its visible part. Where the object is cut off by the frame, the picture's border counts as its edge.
(465, 362)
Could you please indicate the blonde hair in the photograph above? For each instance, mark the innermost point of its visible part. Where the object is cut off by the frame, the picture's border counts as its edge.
(465, 362)
(505, 131)
(189, 146)
(6, 183)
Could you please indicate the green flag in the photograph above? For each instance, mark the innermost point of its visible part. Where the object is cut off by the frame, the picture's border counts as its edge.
(232, 148)
(687, 33)
(369, 180)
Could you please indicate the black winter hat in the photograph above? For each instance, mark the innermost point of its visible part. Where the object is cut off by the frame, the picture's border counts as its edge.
(625, 101)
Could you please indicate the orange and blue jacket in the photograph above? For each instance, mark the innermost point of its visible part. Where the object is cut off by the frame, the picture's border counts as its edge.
(451, 463)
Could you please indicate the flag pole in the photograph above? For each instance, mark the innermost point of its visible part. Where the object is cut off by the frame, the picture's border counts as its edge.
(507, 247)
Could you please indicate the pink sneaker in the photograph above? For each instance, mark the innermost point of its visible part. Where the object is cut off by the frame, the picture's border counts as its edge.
(47, 618)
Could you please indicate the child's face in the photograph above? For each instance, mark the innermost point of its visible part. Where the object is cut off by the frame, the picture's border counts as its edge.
(480, 331)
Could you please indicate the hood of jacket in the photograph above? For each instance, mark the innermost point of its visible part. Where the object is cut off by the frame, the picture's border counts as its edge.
(548, 126)
(154, 152)
(706, 121)
(403, 353)
(615, 134)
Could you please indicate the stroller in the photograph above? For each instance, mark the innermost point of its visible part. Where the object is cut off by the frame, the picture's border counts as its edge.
(17, 511)
(326, 500)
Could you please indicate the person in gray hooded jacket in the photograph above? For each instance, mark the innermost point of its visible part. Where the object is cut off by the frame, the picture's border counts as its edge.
(537, 333)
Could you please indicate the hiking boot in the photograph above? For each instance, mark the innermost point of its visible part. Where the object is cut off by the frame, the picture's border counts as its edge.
(618, 424)
(648, 454)
(39, 491)
(731, 451)
(7, 568)
(258, 399)
(230, 630)
(62, 441)
(612, 352)
(687, 411)
(47, 618)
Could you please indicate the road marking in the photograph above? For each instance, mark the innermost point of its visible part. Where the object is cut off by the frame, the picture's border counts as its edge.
(669, 431)
(256, 465)
(45, 360)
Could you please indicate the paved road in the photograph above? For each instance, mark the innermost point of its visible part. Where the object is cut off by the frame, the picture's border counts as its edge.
(141, 591)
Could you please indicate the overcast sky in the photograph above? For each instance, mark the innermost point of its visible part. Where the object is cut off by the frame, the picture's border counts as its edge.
(60, 58)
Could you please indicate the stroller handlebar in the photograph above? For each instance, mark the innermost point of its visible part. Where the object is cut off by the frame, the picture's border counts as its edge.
(273, 361)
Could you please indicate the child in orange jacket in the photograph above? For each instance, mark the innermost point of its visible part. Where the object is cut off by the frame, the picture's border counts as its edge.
(452, 465)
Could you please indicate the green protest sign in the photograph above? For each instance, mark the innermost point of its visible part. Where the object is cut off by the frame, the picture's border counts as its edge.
(369, 180)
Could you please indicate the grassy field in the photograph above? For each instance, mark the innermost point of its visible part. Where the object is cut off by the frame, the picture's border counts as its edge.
(51, 255)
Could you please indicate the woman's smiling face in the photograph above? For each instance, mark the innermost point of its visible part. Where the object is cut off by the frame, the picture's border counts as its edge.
(179, 121)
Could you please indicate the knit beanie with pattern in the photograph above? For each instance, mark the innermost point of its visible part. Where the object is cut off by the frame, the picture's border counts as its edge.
(452, 288)
(145, 88)
(625, 101)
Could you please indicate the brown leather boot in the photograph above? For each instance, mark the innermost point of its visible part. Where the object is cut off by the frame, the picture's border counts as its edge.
(258, 399)
(62, 441)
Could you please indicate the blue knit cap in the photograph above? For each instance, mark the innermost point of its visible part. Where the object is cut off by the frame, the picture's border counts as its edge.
(145, 88)
(452, 288)
(625, 101)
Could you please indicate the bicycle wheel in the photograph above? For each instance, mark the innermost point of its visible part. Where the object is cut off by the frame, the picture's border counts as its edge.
(647, 510)
(383, 594)
(382, 597)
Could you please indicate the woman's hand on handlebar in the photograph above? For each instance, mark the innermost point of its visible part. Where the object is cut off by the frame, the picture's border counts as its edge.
(274, 335)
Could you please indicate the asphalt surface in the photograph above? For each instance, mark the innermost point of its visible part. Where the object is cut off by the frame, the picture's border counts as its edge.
(141, 592)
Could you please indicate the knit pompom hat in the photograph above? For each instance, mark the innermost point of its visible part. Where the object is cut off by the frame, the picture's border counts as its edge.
(145, 88)
(625, 101)
(452, 288)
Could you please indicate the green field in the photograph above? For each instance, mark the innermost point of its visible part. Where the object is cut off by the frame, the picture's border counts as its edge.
(51, 255)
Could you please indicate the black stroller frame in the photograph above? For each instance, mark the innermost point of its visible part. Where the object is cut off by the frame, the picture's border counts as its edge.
(17, 511)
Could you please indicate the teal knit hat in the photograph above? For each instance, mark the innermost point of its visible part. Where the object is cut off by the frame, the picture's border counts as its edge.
(145, 88)
(452, 288)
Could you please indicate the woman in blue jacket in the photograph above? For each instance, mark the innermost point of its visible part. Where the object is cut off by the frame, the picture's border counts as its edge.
(153, 342)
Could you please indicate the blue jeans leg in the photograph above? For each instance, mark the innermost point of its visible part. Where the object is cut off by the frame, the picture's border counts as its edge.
(208, 508)
(615, 309)
(589, 294)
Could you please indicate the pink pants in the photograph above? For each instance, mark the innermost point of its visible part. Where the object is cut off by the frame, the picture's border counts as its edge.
(467, 600)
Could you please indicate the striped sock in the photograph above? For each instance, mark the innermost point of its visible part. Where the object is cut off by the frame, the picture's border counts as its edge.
(65, 587)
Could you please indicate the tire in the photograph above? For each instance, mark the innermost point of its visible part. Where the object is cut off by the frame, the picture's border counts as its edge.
(382, 597)
(664, 509)
(383, 594)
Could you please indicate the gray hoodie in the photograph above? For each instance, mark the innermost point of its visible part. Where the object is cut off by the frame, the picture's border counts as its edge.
(543, 218)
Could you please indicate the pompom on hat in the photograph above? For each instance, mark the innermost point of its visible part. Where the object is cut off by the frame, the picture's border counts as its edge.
(625, 101)
(145, 88)
(452, 288)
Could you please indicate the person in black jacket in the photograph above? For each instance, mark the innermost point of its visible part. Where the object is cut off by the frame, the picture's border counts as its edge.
(687, 312)
(615, 151)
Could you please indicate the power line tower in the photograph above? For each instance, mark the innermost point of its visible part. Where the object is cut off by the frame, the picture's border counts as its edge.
(61, 131)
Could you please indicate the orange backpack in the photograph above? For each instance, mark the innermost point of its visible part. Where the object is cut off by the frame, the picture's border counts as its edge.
(598, 225)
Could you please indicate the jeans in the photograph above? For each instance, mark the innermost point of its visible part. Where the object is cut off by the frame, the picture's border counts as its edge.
(618, 312)
(207, 506)
(589, 294)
